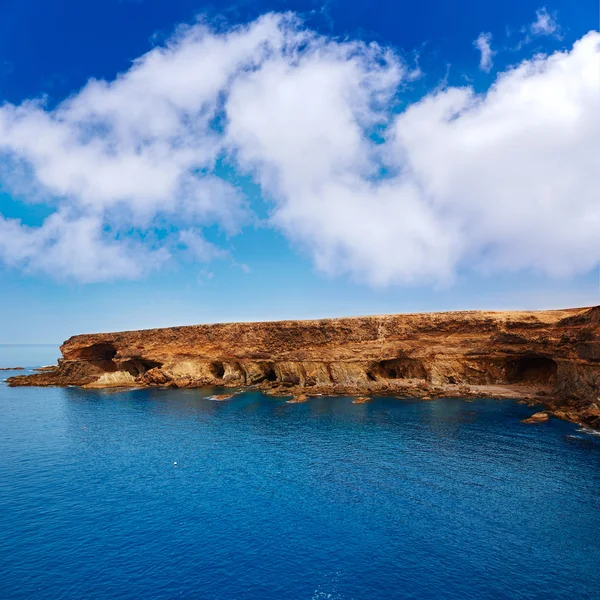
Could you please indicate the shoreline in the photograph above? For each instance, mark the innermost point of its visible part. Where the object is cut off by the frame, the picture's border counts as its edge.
(547, 357)
(417, 390)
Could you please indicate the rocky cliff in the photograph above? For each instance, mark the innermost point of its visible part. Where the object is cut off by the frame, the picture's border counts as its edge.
(554, 355)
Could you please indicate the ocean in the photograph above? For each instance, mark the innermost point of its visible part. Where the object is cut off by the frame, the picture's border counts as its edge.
(160, 494)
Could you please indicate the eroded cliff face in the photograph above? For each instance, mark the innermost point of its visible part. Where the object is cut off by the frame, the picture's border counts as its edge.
(552, 354)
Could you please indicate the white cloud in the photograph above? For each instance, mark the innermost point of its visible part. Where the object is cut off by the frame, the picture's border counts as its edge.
(200, 248)
(500, 181)
(484, 44)
(544, 24)
(74, 248)
(514, 173)
(124, 153)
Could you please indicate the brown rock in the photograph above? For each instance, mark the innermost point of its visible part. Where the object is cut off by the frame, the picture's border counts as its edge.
(514, 354)
(538, 417)
(154, 376)
(298, 399)
(361, 400)
(222, 397)
(183, 382)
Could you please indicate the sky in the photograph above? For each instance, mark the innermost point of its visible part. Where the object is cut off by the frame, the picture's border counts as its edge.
(170, 163)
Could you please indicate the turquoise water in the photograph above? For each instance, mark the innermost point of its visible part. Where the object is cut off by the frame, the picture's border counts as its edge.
(268, 500)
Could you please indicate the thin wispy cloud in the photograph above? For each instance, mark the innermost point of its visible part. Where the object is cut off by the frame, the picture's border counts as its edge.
(484, 44)
(544, 24)
(500, 181)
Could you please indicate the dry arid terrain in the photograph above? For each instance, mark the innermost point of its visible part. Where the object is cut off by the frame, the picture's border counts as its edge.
(548, 356)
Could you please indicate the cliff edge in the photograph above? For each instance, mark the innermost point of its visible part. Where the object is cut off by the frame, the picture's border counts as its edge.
(550, 355)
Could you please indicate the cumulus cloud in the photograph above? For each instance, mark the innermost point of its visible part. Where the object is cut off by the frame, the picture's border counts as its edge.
(484, 44)
(123, 154)
(504, 180)
(513, 173)
(74, 248)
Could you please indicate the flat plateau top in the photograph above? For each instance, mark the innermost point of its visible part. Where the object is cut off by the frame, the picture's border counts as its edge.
(542, 316)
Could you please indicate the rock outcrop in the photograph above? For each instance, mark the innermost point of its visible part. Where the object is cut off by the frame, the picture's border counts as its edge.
(554, 355)
(538, 417)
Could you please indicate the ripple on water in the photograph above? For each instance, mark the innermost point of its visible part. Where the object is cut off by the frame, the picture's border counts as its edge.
(162, 494)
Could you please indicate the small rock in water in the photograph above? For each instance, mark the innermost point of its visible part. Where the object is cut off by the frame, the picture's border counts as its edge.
(361, 400)
(221, 397)
(538, 417)
(298, 399)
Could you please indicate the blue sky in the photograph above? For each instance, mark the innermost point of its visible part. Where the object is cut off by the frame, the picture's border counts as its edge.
(278, 159)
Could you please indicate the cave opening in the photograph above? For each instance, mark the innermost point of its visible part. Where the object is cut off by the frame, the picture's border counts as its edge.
(100, 351)
(531, 369)
(217, 370)
(269, 373)
(139, 366)
(398, 368)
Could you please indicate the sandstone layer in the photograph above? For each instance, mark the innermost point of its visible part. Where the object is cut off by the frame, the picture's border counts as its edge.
(553, 355)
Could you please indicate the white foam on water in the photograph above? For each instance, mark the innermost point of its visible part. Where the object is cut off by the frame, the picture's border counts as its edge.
(588, 431)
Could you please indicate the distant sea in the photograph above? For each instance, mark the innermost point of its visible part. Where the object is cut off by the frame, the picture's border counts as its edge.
(156, 494)
(28, 355)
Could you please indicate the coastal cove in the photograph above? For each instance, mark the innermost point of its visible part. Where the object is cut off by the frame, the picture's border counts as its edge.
(300, 300)
(159, 493)
(551, 356)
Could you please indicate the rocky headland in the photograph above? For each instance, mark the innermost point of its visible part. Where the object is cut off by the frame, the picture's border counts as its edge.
(552, 357)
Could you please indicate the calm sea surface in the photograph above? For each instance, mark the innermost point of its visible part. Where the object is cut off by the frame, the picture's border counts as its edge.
(268, 500)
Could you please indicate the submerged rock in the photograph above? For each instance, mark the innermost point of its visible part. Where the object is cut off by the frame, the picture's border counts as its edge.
(298, 399)
(361, 400)
(222, 397)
